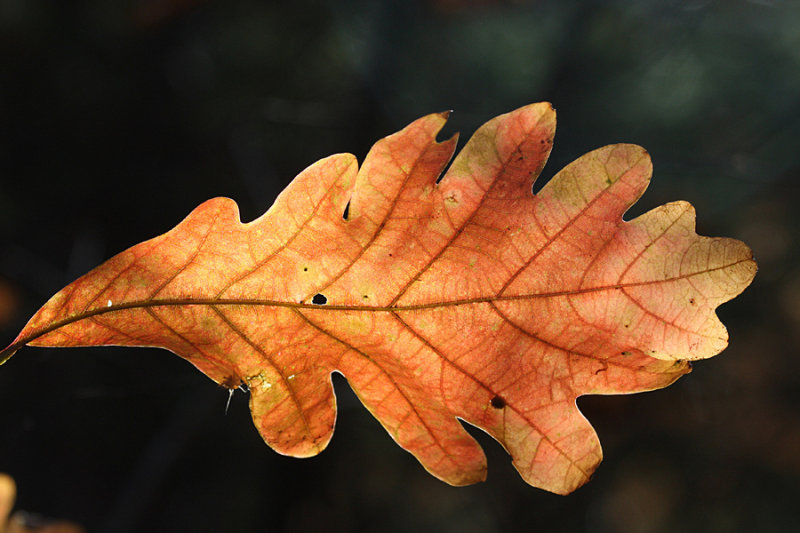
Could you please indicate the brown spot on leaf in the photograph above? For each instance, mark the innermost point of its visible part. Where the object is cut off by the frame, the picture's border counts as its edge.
(231, 382)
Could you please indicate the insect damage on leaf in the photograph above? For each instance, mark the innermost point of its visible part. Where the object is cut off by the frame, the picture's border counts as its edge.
(498, 403)
(438, 297)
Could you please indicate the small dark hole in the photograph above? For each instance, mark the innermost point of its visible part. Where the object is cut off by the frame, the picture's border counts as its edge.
(319, 299)
(691, 301)
(346, 213)
(498, 402)
(305, 269)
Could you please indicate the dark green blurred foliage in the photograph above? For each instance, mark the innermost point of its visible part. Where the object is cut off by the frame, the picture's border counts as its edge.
(117, 118)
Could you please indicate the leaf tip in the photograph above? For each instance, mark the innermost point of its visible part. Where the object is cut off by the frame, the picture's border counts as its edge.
(9, 352)
(464, 479)
(543, 109)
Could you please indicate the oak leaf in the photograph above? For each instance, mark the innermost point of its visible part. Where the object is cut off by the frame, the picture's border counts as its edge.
(464, 298)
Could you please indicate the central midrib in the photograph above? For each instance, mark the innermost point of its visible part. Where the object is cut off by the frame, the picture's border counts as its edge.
(177, 302)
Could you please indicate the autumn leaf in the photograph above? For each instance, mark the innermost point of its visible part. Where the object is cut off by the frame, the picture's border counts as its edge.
(465, 298)
(23, 522)
(8, 492)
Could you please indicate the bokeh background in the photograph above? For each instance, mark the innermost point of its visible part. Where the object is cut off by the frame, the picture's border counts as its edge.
(118, 117)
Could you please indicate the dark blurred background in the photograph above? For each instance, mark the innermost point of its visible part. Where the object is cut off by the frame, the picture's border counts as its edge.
(119, 117)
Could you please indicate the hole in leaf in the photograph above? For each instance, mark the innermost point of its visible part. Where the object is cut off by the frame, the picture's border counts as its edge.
(305, 269)
(319, 299)
(498, 403)
(346, 213)
(453, 126)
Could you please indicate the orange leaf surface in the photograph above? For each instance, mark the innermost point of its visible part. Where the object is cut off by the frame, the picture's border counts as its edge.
(466, 298)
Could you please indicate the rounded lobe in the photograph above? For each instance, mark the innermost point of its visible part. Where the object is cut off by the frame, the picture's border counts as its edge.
(294, 414)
